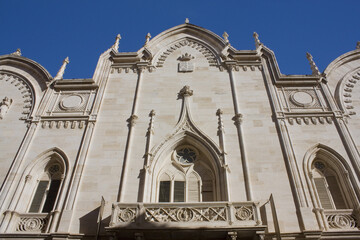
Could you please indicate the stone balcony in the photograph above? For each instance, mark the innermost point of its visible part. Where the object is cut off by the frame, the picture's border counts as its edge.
(214, 218)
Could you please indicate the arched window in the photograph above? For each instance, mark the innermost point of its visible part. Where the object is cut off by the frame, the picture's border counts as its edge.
(47, 189)
(186, 178)
(328, 186)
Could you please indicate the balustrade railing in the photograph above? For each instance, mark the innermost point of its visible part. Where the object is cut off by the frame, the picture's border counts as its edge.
(206, 214)
(32, 222)
(341, 219)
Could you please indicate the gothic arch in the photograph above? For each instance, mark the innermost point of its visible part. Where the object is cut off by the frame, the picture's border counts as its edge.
(210, 155)
(40, 165)
(28, 76)
(208, 43)
(207, 52)
(332, 187)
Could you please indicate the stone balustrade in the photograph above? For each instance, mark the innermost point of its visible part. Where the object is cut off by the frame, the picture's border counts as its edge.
(32, 222)
(187, 215)
(341, 219)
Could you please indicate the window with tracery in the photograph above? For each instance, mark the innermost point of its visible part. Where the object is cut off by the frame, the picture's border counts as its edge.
(186, 178)
(47, 189)
(328, 186)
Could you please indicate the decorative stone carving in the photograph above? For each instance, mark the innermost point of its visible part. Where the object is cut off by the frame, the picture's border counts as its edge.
(185, 64)
(237, 119)
(226, 37)
(257, 41)
(4, 106)
(71, 102)
(32, 223)
(187, 20)
(23, 88)
(147, 38)
(302, 99)
(314, 68)
(341, 219)
(358, 45)
(61, 71)
(348, 84)
(207, 53)
(71, 124)
(243, 213)
(185, 92)
(174, 214)
(116, 44)
(127, 214)
(17, 52)
(235, 213)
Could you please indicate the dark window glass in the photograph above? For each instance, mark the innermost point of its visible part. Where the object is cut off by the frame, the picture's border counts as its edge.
(38, 197)
(51, 197)
(179, 191)
(164, 193)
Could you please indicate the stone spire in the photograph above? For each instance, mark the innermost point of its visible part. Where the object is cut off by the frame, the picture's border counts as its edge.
(358, 45)
(226, 37)
(257, 40)
(187, 20)
(314, 68)
(61, 71)
(116, 44)
(17, 52)
(147, 38)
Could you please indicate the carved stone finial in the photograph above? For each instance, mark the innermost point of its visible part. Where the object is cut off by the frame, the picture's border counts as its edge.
(186, 20)
(132, 120)
(4, 106)
(257, 40)
(61, 71)
(226, 37)
(358, 45)
(148, 36)
(185, 92)
(17, 52)
(237, 119)
(219, 112)
(152, 113)
(116, 44)
(314, 68)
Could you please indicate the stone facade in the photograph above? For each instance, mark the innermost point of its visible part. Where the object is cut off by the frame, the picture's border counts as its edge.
(188, 138)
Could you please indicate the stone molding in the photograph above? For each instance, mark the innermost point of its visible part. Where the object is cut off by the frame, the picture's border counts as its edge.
(25, 90)
(207, 53)
(345, 91)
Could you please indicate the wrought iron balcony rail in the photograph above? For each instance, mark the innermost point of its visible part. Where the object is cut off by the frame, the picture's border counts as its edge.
(187, 215)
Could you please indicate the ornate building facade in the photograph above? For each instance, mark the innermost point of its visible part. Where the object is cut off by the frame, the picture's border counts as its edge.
(187, 138)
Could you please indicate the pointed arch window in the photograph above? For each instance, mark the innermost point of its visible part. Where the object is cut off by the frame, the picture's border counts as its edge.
(186, 178)
(328, 186)
(47, 190)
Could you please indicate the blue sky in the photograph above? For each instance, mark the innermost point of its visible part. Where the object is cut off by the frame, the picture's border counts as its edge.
(48, 31)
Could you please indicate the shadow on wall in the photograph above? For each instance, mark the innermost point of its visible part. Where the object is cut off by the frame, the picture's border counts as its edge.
(162, 231)
(89, 225)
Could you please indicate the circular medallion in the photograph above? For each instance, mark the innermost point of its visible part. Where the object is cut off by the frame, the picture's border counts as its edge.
(302, 99)
(185, 214)
(243, 213)
(71, 102)
(126, 215)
